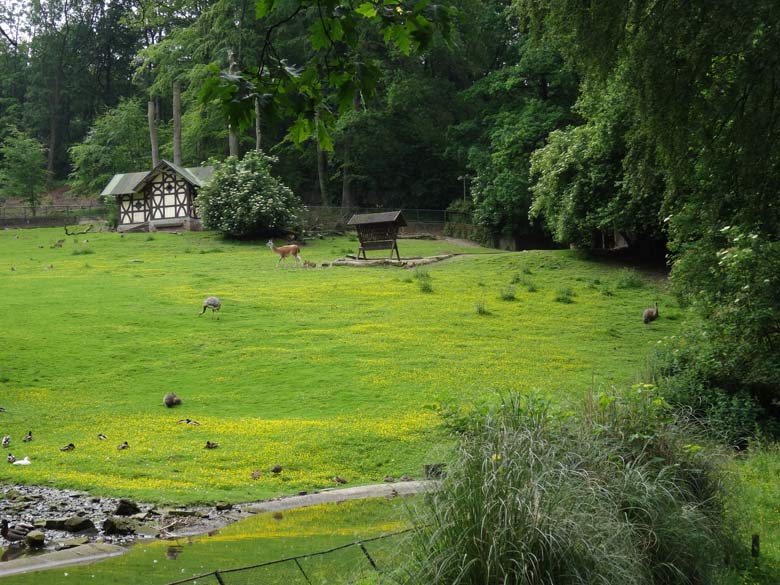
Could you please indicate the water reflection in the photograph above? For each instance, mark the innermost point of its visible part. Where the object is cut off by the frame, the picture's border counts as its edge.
(173, 552)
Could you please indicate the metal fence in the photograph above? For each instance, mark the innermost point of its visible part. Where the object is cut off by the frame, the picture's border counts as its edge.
(332, 217)
(365, 561)
(49, 215)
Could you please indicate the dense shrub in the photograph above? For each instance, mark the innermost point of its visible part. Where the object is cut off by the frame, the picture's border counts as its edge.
(244, 200)
(621, 495)
(730, 416)
(732, 281)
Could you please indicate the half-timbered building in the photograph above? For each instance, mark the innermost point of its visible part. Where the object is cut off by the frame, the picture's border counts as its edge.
(165, 197)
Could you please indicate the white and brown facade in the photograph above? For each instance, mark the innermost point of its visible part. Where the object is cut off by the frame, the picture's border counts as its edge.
(165, 197)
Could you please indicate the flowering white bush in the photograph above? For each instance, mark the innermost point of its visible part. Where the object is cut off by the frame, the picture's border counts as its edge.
(243, 199)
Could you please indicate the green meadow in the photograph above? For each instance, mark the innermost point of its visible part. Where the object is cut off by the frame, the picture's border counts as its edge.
(328, 371)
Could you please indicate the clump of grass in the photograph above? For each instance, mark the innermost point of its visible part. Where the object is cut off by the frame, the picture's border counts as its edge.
(150, 238)
(629, 278)
(481, 308)
(607, 292)
(83, 252)
(616, 496)
(426, 286)
(594, 283)
(422, 274)
(529, 284)
(527, 270)
(508, 294)
(564, 295)
(211, 251)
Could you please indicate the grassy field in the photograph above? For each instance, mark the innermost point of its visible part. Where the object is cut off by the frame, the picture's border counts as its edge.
(260, 539)
(337, 371)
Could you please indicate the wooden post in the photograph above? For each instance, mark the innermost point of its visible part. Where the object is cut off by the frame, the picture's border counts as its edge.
(755, 546)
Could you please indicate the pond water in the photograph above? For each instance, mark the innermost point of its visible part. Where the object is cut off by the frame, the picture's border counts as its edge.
(261, 538)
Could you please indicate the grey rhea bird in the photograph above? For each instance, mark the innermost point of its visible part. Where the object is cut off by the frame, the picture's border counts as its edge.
(212, 303)
(650, 314)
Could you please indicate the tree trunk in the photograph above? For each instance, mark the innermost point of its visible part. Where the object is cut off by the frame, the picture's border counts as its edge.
(52, 145)
(346, 181)
(347, 196)
(177, 159)
(232, 132)
(322, 171)
(233, 140)
(258, 129)
(151, 113)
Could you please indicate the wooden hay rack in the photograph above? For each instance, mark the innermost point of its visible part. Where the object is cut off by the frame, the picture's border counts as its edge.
(378, 231)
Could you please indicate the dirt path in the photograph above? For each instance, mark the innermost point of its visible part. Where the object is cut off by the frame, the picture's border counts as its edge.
(93, 552)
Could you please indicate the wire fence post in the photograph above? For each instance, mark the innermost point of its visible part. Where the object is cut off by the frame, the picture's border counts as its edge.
(219, 578)
(368, 556)
(300, 568)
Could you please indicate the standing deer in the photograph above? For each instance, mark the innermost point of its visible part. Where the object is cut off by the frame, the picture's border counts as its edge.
(290, 250)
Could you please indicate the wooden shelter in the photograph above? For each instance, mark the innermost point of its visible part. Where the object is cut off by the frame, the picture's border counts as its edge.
(378, 231)
(161, 198)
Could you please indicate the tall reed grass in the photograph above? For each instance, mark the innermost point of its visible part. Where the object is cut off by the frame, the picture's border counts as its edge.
(618, 496)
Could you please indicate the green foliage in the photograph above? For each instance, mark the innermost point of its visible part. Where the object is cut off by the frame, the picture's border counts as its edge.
(243, 199)
(622, 496)
(118, 142)
(22, 168)
(732, 280)
(397, 145)
(698, 118)
(514, 109)
(732, 419)
(582, 178)
(329, 69)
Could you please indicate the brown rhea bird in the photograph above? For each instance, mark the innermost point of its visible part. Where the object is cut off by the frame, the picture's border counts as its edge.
(650, 314)
(212, 303)
(14, 533)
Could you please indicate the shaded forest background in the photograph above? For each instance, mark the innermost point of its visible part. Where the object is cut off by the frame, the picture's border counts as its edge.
(459, 118)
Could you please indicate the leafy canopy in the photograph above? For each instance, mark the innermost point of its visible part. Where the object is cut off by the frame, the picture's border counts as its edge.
(332, 71)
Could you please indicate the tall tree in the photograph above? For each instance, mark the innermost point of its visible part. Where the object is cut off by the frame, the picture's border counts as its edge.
(23, 168)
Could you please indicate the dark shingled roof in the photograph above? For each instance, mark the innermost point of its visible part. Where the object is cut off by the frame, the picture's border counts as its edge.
(127, 183)
(385, 217)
